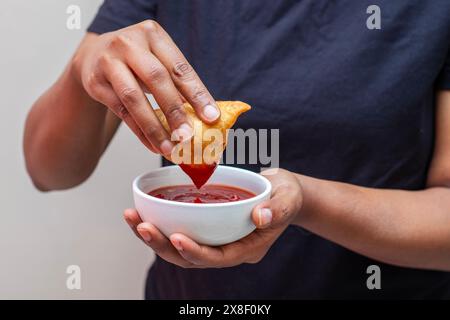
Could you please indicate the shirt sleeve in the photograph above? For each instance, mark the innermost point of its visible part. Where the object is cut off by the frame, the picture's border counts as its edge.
(117, 14)
(443, 81)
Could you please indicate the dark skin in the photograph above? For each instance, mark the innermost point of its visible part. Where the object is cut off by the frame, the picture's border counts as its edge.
(103, 85)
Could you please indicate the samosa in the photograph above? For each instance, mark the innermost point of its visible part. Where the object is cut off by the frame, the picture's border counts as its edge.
(199, 156)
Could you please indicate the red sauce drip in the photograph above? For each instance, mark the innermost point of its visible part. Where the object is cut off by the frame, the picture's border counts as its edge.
(199, 173)
(213, 193)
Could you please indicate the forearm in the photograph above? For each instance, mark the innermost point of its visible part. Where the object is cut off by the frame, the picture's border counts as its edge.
(406, 228)
(65, 134)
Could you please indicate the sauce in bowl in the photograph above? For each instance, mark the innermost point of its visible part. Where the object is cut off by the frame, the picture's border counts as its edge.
(213, 193)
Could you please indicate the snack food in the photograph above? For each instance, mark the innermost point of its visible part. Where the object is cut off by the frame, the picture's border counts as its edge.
(199, 156)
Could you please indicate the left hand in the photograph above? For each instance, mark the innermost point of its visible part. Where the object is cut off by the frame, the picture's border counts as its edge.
(270, 217)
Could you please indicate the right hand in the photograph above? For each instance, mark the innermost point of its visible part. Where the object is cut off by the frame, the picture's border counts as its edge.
(119, 66)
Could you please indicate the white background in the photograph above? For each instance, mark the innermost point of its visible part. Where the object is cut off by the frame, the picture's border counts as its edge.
(42, 233)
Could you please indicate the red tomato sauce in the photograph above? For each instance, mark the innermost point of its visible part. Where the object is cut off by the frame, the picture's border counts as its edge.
(213, 193)
(199, 173)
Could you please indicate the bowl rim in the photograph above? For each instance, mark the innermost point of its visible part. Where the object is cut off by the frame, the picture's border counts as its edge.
(267, 190)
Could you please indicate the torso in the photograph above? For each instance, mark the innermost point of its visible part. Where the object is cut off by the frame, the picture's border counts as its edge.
(352, 104)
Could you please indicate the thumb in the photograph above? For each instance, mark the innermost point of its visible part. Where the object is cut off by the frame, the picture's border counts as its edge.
(277, 211)
(262, 216)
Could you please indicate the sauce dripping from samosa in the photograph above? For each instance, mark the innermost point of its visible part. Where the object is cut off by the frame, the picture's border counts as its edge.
(199, 173)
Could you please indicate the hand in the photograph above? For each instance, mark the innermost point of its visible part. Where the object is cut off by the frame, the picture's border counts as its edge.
(271, 219)
(119, 66)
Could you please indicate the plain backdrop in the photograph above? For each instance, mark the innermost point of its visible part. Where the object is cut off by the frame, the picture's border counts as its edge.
(41, 234)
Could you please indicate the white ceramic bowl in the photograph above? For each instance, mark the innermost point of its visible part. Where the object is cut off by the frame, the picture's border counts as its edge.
(211, 223)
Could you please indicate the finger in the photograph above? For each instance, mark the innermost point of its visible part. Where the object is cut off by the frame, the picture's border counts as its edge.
(197, 254)
(161, 245)
(157, 79)
(249, 249)
(134, 100)
(262, 215)
(104, 93)
(132, 218)
(183, 75)
(278, 210)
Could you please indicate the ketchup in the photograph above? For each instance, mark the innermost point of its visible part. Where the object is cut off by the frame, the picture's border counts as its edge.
(199, 173)
(212, 193)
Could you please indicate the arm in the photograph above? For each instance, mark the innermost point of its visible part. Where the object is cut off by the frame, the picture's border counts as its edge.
(405, 228)
(70, 126)
(66, 132)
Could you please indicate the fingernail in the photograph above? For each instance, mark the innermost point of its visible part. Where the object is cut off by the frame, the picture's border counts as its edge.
(183, 133)
(145, 235)
(177, 245)
(166, 147)
(211, 112)
(264, 217)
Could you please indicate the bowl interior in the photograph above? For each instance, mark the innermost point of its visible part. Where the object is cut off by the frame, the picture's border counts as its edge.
(173, 175)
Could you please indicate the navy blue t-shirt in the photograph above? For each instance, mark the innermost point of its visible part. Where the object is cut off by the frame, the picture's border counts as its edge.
(352, 103)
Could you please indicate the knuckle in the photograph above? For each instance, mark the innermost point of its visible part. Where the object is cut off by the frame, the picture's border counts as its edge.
(283, 211)
(122, 112)
(104, 61)
(115, 105)
(154, 133)
(175, 113)
(150, 26)
(199, 94)
(92, 81)
(124, 40)
(93, 86)
(156, 74)
(129, 96)
(113, 43)
(120, 41)
(183, 71)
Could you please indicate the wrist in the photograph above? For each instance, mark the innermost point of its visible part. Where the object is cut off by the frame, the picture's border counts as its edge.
(305, 210)
(74, 71)
(72, 79)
